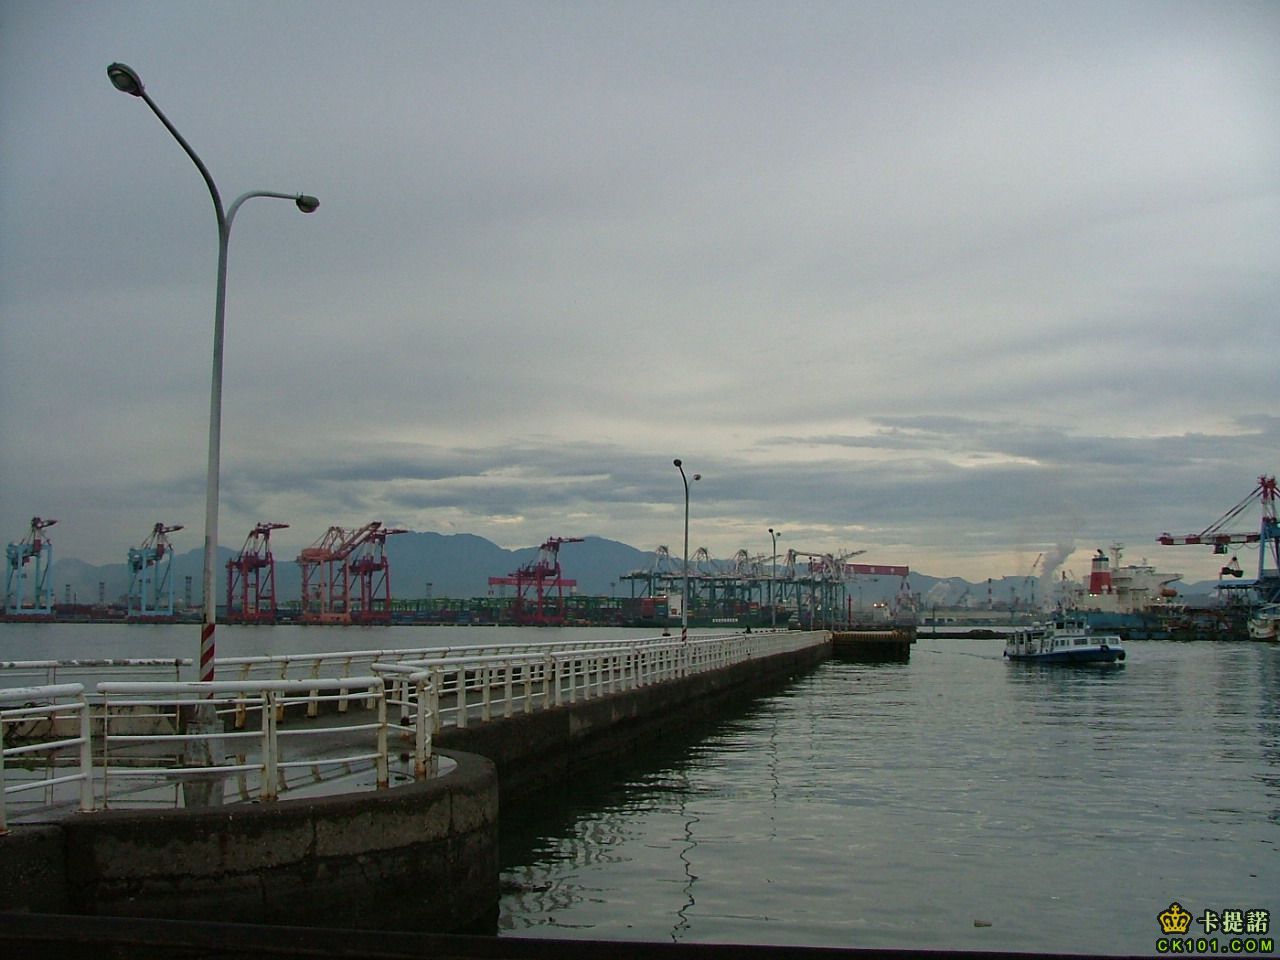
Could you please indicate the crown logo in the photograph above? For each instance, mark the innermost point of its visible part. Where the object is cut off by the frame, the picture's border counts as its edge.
(1175, 919)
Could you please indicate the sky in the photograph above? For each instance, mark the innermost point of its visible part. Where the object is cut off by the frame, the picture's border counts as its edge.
(977, 287)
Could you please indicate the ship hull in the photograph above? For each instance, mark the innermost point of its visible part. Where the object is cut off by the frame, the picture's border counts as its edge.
(1079, 656)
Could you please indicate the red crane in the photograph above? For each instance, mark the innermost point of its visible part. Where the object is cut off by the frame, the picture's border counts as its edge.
(326, 574)
(372, 570)
(543, 575)
(251, 578)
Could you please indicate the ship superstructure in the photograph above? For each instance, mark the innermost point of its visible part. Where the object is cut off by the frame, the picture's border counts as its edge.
(1112, 588)
(1134, 600)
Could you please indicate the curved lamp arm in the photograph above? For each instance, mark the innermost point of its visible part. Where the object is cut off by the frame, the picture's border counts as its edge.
(125, 79)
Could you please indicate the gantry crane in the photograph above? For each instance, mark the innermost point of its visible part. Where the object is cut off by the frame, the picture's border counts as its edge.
(1267, 584)
(328, 567)
(543, 575)
(151, 575)
(372, 570)
(828, 577)
(660, 570)
(825, 579)
(251, 578)
(36, 550)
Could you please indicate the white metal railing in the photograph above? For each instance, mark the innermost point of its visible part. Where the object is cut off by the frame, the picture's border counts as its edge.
(38, 725)
(472, 685)
(183, 752)
(88, 671)
(150, 742)
(292, 666)
(140, 743)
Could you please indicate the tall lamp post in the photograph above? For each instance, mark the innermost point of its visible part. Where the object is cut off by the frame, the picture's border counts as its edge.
(127, 81)
(773, 577)
(684, 601)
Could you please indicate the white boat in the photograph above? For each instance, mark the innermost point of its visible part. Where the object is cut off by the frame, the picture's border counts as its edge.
(1264, 622)
(1063, 641)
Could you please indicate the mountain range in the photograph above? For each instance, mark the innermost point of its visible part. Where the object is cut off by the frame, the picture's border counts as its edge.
(459, 565)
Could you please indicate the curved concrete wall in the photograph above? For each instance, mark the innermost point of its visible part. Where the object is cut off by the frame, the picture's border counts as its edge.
(337, 861)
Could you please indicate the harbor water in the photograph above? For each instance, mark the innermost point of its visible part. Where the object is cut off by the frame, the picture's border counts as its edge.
(956, 801)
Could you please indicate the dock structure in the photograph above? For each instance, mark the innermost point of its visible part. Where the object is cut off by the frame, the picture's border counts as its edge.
(815, 587)
(273, 842)
(874, 644)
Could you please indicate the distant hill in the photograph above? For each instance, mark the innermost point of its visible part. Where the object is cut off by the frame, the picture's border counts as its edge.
(459, 565)
(453, 565)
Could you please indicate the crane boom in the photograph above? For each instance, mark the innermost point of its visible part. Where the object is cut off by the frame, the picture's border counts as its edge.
(1214, 534)
(1216, 539)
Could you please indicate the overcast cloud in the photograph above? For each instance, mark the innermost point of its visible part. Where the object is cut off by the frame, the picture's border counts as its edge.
(952, 283)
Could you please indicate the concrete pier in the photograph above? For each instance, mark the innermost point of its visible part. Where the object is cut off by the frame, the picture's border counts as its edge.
(421, 856)
(535, 750)
(348, 859)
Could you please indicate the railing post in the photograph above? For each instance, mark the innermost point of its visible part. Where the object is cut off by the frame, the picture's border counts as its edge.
(4, 828)
(270, 771)
(461, 719)
(422, 731)
(433, 697)
(379, 692)
(400, 692)
(106, 738)
(86, 756)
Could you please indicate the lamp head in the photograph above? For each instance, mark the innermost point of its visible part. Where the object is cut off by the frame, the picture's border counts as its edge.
(307, 204)
(697, 476)
(678, 462)
(124, 79)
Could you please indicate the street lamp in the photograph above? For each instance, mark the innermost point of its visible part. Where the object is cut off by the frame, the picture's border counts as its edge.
(773, 610)
(127, 81)
(684, 601)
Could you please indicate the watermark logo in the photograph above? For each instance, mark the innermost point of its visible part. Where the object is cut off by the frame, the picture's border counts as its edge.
(1175, 919)
(1229, 930)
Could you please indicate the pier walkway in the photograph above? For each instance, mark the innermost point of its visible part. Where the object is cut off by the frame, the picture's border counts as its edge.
(303, 724)
(313, 788)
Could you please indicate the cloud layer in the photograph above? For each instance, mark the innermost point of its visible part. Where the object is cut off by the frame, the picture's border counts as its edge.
(954, 284)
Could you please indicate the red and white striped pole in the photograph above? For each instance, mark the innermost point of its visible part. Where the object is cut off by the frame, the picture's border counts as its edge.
(207, 650)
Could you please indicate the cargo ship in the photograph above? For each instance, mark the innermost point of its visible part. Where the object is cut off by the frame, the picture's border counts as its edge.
(1134, 601)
